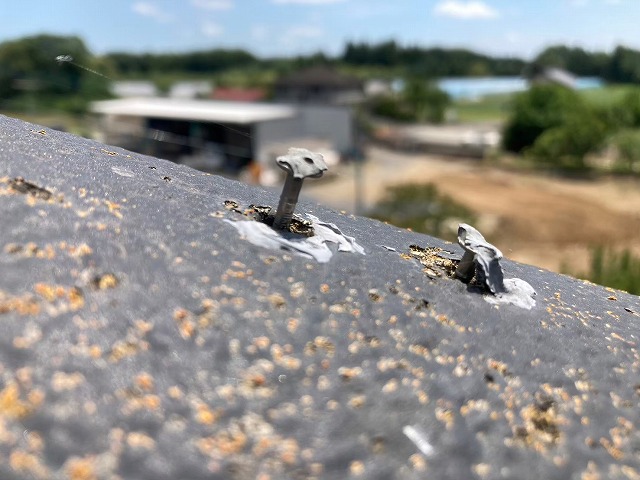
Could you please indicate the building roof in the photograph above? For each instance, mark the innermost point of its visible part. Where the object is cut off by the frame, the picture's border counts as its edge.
(133, 88)
(561, 77)
(190, 89)
(239, 94)
(553, 75)
(202, 110)
(145, 338)
(319, 75)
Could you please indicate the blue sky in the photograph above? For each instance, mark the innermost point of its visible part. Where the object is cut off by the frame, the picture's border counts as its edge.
(287, 27)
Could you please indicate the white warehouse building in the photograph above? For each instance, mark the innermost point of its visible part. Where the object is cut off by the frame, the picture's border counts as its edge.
(222, 135)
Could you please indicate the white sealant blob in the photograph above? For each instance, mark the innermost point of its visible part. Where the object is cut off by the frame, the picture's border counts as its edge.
(517, 292)
(331, 233)
(486, 257)
(314, 247)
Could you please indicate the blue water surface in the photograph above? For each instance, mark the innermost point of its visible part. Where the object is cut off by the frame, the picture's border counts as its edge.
(473, 88)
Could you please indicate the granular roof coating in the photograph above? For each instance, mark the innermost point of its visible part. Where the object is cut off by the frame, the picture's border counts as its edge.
(143, 338)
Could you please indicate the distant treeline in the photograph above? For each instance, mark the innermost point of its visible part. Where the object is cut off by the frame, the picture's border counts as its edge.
(28, 66)
(209, 61)
(30, 76)
(431, 62)
(620, 66)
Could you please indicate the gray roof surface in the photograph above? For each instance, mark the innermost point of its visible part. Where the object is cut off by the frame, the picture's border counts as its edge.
(142, 338)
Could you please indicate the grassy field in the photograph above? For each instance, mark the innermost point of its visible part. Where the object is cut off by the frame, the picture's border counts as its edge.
(492, 108)
(495, 108)
(606, 95)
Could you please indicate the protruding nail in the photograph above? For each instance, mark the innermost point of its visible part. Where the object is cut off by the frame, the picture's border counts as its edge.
(477, 251)
(299, 164)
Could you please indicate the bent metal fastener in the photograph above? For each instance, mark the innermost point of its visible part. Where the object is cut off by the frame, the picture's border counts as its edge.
(299, 164)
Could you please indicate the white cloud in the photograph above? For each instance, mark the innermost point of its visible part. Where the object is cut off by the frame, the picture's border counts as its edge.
(213, 4)
(302, 32)
(307, 2)
(584, 3)
(260, 32)
(148, 9)
(513, 38)
(369, 10)
(300, 39)
(473, 9)
(211, 29)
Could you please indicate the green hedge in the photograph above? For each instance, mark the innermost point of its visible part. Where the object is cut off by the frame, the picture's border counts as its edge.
(615, 269)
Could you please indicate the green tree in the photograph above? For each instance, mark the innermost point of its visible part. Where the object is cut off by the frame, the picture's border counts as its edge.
(429, 63)
(197, 62)
(620, 114)
(29, 67)
(626, 148)
(537, 110)
(33, 59)
(567, 145)
(427, 102)
(554, 125)
(419, 101)
(574, 59)
(628, 109)
(624, 66)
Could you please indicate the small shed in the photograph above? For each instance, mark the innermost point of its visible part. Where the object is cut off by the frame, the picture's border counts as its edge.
(319, 84)
(235, 94)
(553, 76)
(133, 88)
(190, 90)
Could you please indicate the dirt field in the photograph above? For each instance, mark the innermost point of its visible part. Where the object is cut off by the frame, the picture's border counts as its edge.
(535, 219)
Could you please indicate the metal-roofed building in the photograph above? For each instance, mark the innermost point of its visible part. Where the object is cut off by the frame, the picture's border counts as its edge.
(552, 76)
(218, 134)
(321, 85)
(237, 94)
(190, 90)
(133, 88)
